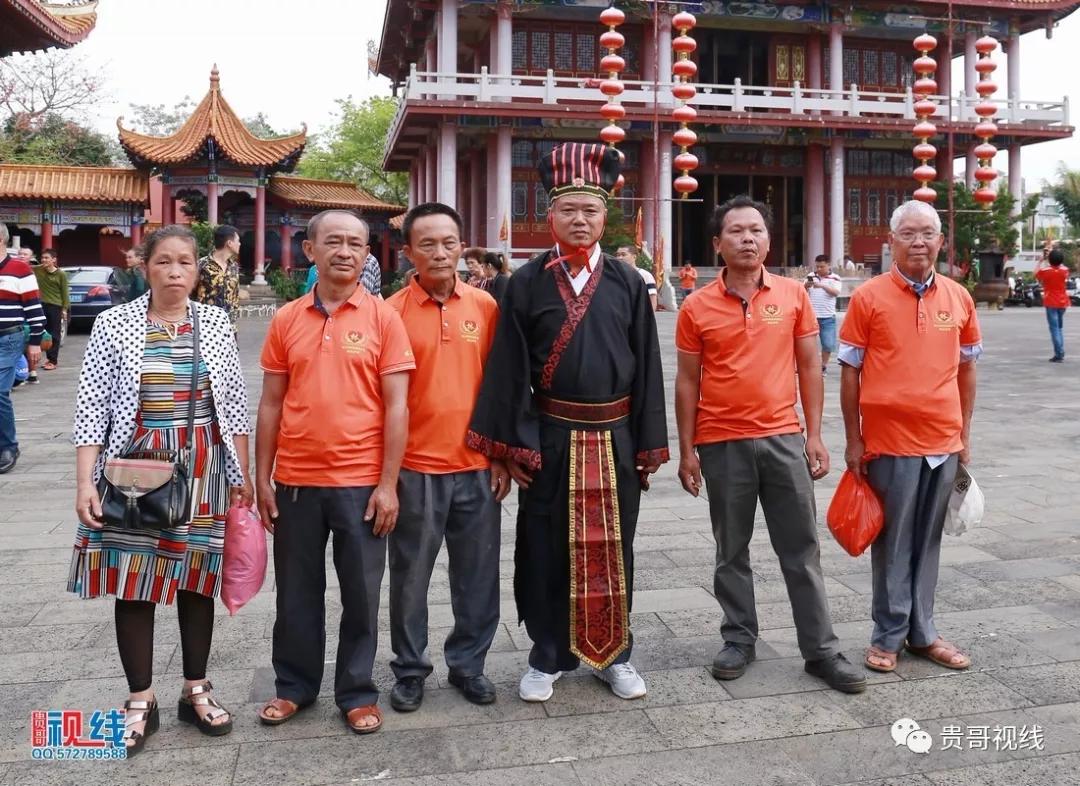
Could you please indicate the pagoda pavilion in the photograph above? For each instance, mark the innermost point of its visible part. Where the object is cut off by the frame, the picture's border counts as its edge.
(26, 25)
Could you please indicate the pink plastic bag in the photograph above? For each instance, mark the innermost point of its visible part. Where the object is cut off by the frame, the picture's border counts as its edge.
(244, 562)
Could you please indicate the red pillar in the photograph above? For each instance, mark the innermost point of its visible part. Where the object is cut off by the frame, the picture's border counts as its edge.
(136, 232)
(166, 205)
(286, 247)
(260, 228)
(46, 233)
(387, 262)
(212, 202)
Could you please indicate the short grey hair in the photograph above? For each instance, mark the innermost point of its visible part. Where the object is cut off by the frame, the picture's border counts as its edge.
(317, 219)
(914, 206)
(5, 236)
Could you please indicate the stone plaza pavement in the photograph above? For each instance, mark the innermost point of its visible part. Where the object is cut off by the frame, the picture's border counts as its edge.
(1009, 594)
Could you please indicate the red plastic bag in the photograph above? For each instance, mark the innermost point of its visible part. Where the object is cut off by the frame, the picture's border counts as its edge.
(855, 514)
(243, 567)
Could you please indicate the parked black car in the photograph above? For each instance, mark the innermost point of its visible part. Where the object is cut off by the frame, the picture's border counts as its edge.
(93, 289)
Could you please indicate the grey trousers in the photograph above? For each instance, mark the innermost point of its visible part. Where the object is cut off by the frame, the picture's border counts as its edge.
(905, 556)
(306, 517)
(773, 469)
(460, 509)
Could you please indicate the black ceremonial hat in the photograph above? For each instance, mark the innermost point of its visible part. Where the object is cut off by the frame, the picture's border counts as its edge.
(589, 168)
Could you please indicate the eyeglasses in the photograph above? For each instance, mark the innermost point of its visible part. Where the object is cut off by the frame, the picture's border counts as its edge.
(927, 236)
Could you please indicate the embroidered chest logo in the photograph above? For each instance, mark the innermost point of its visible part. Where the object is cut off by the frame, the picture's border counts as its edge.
(772, 314)
(470, 331)
(943, 320)
(354, 342)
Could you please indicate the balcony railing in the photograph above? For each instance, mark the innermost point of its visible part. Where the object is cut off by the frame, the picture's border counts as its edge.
(550, 90)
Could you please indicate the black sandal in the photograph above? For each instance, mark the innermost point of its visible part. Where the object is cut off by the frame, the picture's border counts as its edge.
(137, 712)
(191, 698)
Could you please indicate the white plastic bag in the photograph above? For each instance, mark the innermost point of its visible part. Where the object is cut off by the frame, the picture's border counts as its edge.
(966, 504)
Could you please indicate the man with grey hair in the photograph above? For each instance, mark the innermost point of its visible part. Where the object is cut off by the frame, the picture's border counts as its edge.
(19, 305)
(908, 348)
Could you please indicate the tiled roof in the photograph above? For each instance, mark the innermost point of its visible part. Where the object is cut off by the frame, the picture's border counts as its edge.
(306, 192)
(398, 222)
(73, 183)
(26, 25)
(213, 120)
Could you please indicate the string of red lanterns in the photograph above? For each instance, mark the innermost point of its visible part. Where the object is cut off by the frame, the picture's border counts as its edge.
(612, 86)
(683, 71)
(985, 109)
(925, 86)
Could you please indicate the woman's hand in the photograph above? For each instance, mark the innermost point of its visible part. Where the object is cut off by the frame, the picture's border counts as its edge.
(242, 495)
(88, 505)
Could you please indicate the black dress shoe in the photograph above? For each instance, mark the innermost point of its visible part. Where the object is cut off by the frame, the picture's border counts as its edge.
(7, 459)
(732, 660)
(408, 694)
(838, 673)
(478, 689)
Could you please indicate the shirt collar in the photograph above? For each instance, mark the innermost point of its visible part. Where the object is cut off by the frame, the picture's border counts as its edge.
(355, 299)
(422, 296)
(919, 288)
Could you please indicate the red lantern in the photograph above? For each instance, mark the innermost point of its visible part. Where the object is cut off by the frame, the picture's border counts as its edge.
(683, 70)
(985, 109)
(613, 65)
(924, 87)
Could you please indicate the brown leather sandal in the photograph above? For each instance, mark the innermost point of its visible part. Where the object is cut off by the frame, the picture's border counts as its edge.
(881, 655)
(284, 708)
(193, 697)
(357, 714)
(137, 712)
(942, 653)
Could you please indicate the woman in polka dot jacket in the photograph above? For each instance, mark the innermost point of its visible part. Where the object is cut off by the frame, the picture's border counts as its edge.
(134, 394)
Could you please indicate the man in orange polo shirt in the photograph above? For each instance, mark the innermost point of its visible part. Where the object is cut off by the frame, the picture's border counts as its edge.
(740, 341)
(333, 422)
(448, 491)
(908, 347)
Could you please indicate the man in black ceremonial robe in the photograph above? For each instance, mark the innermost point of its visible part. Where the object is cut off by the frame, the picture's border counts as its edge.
(573, 401)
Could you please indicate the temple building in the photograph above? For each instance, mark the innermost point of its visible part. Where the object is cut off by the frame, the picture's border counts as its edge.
(804, 105)
(28, 25)
(91, 214)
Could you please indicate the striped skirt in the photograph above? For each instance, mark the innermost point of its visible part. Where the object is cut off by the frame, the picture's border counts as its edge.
(151, 565)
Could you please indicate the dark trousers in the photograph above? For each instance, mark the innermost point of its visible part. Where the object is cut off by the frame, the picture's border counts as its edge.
(542, 548)
(461, 509)
(306, 517)
(773, 469)
(906, 555)
(54, 316)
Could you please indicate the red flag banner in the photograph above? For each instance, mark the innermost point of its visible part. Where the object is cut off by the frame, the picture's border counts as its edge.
(639, 230)
(658, 262)
(504, 230)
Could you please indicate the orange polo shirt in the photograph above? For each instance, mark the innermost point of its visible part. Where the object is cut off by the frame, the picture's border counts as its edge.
(908, 395)
(687, 278)
(331, 430)
(747, 351)
(451, 342)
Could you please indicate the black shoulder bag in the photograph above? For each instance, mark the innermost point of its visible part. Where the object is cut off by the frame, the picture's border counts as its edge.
(151, 490)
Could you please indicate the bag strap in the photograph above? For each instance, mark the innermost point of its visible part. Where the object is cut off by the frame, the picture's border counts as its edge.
(194, 380)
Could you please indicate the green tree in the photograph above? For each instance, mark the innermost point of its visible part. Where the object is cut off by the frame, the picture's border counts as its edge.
(1066, 192)
(50, 139)
(617, 232)
(995, 228)
(352, 149)
(156, 120)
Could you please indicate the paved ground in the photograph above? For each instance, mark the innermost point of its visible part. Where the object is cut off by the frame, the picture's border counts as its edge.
(1009, 593)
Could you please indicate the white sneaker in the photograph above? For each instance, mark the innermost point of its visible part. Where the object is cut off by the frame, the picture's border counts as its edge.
(537, 685)
(624, 680)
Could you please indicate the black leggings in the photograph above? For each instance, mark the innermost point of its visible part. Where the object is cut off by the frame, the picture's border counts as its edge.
(135, 637)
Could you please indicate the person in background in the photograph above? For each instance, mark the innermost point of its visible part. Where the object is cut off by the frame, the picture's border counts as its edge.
(824, 287)
(629, 255)
(496, 274)
(131, 277)
(19, 306)
(333, 424)
(849, 264)
(133, 397)
(474, 264)
(1053, 275)
(687, 279)
(219, 273)
(55, 297)
(908, 348)
(26, 254)
(370, 277)
(448, 491)
(740, 342)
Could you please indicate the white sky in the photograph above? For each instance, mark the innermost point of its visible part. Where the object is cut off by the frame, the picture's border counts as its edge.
(292, 60)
